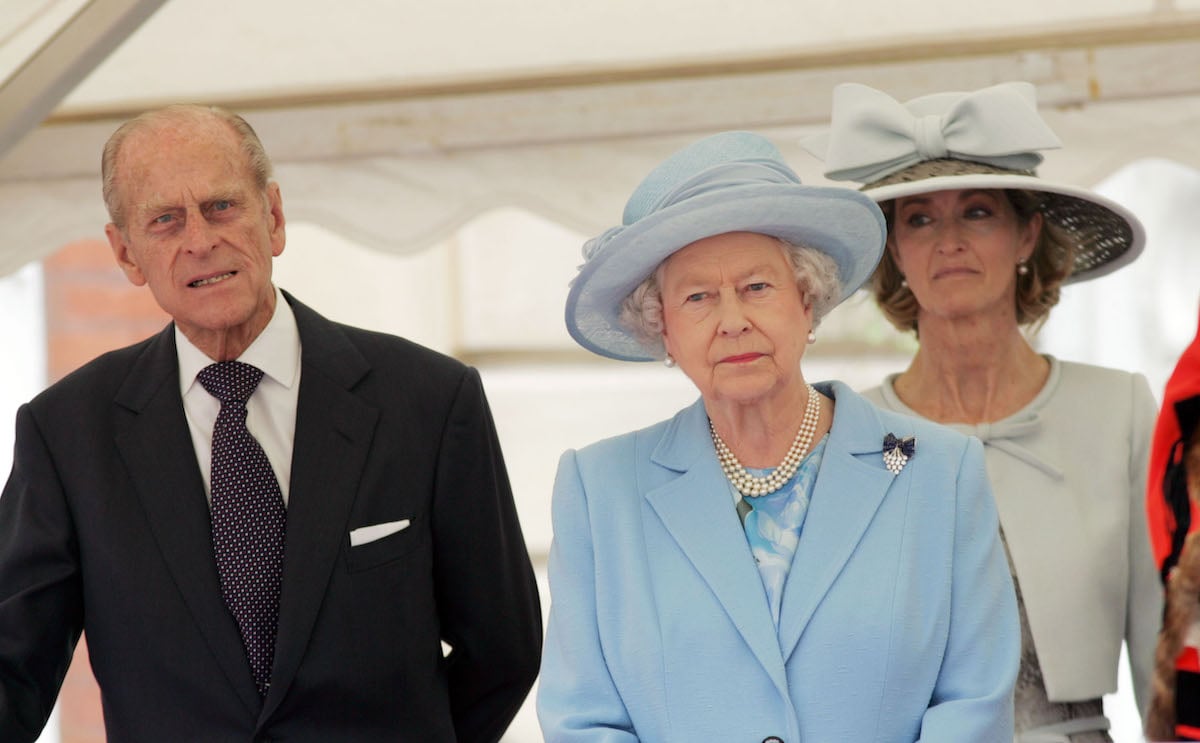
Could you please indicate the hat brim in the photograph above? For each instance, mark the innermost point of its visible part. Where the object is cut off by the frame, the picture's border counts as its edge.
(845, 225)
(1108, 235)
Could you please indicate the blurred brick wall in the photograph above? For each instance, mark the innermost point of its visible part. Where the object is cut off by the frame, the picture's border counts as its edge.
(90, 308)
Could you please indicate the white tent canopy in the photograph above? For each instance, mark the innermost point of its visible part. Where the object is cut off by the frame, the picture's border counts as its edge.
(395, 123)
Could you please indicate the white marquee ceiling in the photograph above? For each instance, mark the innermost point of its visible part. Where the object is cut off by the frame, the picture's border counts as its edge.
(48, 46)
(398, 161)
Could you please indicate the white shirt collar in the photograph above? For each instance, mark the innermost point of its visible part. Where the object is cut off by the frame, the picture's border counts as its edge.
(276, 350)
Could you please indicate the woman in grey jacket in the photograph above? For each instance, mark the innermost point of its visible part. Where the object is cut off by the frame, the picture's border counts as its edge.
(977, 248)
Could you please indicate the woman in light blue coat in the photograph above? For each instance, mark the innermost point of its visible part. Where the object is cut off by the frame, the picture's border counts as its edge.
(780, 561)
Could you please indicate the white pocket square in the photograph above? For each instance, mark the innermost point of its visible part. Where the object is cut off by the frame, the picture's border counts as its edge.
(365, 534)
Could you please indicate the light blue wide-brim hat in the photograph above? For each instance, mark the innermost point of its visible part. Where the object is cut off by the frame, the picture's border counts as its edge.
(729, 182)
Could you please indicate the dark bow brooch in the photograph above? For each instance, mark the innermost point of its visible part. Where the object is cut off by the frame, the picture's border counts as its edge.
(897, 452)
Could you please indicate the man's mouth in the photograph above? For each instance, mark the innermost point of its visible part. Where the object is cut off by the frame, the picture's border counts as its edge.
(212, 279)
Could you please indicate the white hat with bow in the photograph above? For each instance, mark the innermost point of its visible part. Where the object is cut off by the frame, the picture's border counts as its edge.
(989, 138)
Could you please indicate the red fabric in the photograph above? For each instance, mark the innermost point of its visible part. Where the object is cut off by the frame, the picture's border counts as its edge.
(1184, 383)
(1188, 660)
(1188, 732)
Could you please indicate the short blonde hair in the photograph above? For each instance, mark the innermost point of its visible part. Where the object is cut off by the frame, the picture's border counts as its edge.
(252, 148)
(816, 274)
(1038, 290)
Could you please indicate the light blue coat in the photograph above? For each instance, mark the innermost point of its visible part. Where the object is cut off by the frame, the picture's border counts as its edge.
(899, 621)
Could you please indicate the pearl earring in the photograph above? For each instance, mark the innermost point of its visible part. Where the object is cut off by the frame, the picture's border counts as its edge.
(812, 337)
(1022, 269)
(903, 283)
(669, 361)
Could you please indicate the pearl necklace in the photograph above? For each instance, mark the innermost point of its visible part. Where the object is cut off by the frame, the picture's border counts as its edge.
(751, 486)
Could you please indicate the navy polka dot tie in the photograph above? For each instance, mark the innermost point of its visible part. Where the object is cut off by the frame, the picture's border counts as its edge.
(248, 517)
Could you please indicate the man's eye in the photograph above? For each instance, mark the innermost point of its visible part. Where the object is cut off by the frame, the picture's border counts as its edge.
(220, 206)
(163, 218)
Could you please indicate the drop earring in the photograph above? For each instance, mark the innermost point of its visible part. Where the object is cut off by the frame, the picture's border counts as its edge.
(669, 361)
(812, 337)
(903, 283)
(1022, 268)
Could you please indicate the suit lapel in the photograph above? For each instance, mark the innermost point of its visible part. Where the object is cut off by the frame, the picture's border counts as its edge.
(849, 489)
(697, 509)
(334, 430)
(150, 421)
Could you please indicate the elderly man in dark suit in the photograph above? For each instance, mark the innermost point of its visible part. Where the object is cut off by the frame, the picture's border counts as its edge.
(272, 527)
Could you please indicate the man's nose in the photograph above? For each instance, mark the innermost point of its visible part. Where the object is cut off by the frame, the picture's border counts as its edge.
(198, 234)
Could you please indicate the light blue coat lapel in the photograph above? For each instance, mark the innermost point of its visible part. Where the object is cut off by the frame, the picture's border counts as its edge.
(698, 511)
(849, 489)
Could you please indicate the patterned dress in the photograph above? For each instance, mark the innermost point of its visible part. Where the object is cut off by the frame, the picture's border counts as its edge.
(1037, 718)
(773, 523)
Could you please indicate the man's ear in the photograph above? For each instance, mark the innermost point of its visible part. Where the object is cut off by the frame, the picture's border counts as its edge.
(121, 251)
(275, 215)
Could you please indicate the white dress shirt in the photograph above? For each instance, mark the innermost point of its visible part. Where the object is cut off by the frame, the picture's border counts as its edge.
(271, 410)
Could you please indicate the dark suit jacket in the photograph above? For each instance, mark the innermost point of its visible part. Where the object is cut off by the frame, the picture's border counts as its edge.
(104, 528)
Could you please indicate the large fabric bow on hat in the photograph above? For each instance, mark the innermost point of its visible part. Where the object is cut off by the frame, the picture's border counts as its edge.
(872, 135)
